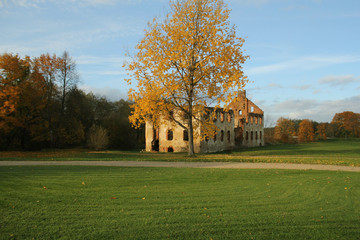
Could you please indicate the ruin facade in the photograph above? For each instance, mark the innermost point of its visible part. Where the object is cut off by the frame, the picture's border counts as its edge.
(249, 122)
(242, 125)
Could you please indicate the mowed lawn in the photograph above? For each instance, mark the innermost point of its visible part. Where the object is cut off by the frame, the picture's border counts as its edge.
(73, 202)
(334, 152)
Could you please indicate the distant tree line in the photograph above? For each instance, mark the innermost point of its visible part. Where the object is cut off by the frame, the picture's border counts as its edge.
(343, 125)
(42, 107)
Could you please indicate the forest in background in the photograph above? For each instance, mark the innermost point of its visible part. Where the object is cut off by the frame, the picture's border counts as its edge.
(343, 125)
(42, 107)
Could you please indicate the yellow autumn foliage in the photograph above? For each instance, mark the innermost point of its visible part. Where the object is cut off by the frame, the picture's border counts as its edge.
(188, 61)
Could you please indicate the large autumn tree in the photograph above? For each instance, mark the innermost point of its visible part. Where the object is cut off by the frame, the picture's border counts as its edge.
(347, 124)
(321, 131)
(186, 62)
(284, 130)
(306, 131)
(13, 70)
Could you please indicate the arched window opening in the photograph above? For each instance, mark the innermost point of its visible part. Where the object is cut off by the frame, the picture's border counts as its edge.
(228, 136)
(247, 135)
(222, 135)
(185, 135)
(170, 134)
(222, 116)
(170, 149)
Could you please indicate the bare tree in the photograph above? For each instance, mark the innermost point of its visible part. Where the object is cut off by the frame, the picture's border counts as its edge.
(68, 77)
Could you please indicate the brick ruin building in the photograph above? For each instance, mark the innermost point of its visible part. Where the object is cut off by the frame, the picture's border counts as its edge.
(241, 126)
(249, 122)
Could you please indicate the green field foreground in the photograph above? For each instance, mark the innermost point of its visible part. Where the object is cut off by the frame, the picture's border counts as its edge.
(334, 152)
(73, 202)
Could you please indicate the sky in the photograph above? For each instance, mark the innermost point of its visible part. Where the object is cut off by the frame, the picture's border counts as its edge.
(304, 54)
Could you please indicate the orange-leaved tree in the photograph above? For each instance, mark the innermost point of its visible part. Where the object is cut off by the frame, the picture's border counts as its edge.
(13, 71)
(321, 130)
(347, 123)
(284, 130)
(306, 131)
(184, 63)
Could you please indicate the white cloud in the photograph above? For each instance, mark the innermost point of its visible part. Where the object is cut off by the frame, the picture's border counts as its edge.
(89, 60)
(321, 111)
(274, 85)
(302, 87)
(112, 94)
(303, 63)
(339, 80)
(38, 3)
(21, 3)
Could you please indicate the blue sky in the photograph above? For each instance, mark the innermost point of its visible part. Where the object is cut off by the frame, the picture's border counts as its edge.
(304, 54)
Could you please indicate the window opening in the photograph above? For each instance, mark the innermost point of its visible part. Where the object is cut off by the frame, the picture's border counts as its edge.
(170, 135)
(185, 135)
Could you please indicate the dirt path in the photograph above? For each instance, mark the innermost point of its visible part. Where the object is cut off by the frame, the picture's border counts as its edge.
(186, 165)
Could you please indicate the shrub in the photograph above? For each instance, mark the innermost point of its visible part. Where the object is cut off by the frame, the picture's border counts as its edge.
(98, 138)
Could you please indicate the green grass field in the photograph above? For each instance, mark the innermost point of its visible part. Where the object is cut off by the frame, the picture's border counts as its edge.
(335, 152)
(73, 202)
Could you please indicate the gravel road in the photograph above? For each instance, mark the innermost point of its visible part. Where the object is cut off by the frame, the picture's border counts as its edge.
(185, 165)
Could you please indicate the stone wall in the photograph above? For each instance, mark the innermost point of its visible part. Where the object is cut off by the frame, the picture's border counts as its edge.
(225, 137)
(249, 122)
(242, 125)
(173, 138)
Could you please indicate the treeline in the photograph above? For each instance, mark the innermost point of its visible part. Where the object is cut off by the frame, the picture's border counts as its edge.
(343, 125)
(41, 107)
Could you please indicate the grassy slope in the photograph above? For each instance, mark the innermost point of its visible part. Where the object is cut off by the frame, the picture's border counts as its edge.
(336, 152)
(73, 202)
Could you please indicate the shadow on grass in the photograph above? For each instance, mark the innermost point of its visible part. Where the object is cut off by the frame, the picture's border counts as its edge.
(346, 147)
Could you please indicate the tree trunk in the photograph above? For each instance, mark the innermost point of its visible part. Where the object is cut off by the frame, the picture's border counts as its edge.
(191, 131)
(191, 138)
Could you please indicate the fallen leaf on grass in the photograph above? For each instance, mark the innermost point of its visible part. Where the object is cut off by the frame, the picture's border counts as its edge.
(44, 187)
(113, 198)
